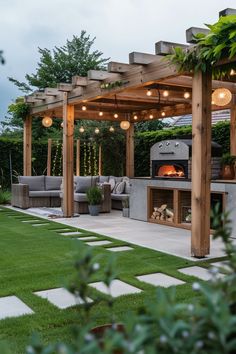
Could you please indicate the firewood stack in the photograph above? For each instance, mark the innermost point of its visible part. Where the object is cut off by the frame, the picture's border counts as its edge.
(163, 213)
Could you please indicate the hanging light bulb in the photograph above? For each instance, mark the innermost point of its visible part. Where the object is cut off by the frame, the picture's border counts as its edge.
(47, 121)
(96, 131)
(186, 95)
(84, 108)
(232, 72)
(111, 129)
(125, 124)
(163, 114)
(100, 113)
(149, 92)
(151, 116)
(221, 96)
(135, 117)
(62, 125)
(81, 129)
(165, 93)
(116, 115)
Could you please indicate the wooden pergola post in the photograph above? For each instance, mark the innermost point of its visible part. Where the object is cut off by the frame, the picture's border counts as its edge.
(68, 158)
(233, 126)
(201, 163)
(130, 151)
(78, 157)
(27, 146)
(49, 157)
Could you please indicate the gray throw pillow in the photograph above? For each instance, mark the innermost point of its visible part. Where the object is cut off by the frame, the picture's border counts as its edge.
(112, 182)
(53, 183)
(119, 188)
(83, 183)
(103, 179)
(35, 183)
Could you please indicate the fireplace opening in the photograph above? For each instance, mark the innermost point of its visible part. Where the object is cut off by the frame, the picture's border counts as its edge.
(173, 170)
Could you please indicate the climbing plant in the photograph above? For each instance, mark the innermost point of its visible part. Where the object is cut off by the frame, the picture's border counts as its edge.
(218, 44)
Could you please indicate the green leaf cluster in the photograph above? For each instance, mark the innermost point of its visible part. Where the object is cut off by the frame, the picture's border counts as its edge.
(218, 44)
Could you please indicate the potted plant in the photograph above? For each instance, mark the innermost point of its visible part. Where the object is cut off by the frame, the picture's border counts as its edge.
(94, 196)
(125, 206)
(227, 162)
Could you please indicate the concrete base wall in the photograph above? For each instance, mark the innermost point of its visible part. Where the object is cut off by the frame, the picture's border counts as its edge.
(138, 196)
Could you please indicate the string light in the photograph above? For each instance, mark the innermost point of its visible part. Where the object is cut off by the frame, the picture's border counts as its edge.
(221, 96)
(149, 92)
(116, 115)
(47, 121)
(135, 117)
(100, 113)
(163, 114)
(62, 125)
(84, 108)
(96, 131)
(125, 124)
(165, 93)
(111, 129)
(81, 129)
(151, 116)
(186, 95)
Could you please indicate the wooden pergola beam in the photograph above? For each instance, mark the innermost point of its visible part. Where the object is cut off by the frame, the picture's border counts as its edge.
(233, 126)
(49, 91)
(201, 164)
(130, 151)
(115, 67)
(100, 75)
(165, 48)
(142, 58)
(193, 31)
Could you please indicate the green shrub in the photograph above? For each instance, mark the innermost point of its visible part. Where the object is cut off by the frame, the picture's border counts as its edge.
(94, 195)
(5, 197)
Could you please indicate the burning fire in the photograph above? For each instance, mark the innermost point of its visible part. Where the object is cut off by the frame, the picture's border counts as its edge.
(170, 171)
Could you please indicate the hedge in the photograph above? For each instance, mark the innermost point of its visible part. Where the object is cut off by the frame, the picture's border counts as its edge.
(113, 152)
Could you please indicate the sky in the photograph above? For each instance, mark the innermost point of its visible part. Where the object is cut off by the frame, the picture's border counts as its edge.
(120, 27)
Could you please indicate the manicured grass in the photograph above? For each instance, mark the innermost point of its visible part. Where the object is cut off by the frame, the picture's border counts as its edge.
(39, 258)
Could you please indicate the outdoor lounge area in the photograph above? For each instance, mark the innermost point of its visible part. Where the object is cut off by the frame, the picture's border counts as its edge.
(96, 256)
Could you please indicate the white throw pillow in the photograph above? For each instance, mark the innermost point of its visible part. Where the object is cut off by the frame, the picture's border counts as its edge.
(119, 188)
(112, 183)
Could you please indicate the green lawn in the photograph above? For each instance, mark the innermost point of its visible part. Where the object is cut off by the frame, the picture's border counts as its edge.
(39, 258)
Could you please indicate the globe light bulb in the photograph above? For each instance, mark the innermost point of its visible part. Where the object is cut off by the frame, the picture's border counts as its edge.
(221, 96)
(62, 125)
(165, 93)
(111, 129)
(84, 108)
(81, 129)
(116, 115)
(151, 116)
(125, 124)
(163, 114)
(135, 117)
(186, 95)
(100, 113)
(149, 93)
(96, 131)
(47, 121)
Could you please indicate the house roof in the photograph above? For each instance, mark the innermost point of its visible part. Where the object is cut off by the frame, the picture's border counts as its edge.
(217, 116)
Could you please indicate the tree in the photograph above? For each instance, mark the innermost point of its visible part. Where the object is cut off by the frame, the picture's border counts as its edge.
(151, 125)
(61, 63)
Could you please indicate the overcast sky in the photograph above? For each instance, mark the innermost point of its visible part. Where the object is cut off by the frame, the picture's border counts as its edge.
(120, 27)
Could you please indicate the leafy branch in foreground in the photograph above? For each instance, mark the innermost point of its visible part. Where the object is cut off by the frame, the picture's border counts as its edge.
(218, 44)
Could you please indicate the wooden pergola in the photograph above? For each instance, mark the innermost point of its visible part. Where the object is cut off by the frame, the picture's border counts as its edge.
(122, 89)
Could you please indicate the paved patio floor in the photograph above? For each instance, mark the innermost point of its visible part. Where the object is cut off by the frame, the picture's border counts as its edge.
(162, 238)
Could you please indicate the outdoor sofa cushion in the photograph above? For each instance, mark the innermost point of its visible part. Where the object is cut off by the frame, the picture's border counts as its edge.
(83, 183)
(35, 183)
(80, 197)
(103, 179)
(119, 196)
(53, 183)
(41, 194)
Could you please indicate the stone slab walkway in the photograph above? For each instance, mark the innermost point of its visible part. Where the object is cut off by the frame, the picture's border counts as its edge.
(12, 306)
(117, 288)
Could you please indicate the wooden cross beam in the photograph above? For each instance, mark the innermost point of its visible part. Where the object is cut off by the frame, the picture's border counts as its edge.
(64, 87)
(49, 91)
(165, 48)
(100, 75)
(142, 58)
(115, 67)
(192, 31)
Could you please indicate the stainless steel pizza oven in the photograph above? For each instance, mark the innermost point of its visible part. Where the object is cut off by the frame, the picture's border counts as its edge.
(173, 159)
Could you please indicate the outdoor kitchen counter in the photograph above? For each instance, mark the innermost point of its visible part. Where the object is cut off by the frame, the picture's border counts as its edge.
(139, 192)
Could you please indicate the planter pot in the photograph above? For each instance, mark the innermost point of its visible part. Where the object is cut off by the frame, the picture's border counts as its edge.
(227, 172)
(100, 331)
(94, 209)
(125, 212)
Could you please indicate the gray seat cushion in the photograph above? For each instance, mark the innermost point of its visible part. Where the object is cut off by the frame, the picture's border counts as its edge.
(39, 194)
(35, 183)
(53, 183)
(102, 179)
(83, 183)
(119, 196)
(80, 197)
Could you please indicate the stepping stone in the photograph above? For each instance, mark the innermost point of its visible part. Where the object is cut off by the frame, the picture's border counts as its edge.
(61, 298)
(71, 233)
(89, 238)
(224, 265)
(119, 249)
(98, 243)
(198, 272)
(60, 230)
(160, 279)
(40, 224)
(117, 288)
(31, 220)
(12, 306)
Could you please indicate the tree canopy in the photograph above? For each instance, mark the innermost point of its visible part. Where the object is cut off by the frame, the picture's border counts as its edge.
(61, 63)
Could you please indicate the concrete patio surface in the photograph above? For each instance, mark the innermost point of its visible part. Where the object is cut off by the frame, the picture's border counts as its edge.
(170, 240)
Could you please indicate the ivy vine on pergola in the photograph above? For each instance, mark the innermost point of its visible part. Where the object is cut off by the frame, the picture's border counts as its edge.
(120, 93)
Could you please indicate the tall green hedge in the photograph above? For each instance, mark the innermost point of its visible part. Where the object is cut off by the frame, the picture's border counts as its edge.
(113, 152)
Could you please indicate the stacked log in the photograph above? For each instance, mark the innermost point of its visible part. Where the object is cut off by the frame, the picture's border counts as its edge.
(163, 213)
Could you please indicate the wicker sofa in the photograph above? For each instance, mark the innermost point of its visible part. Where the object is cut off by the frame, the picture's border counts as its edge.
(36, 191)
